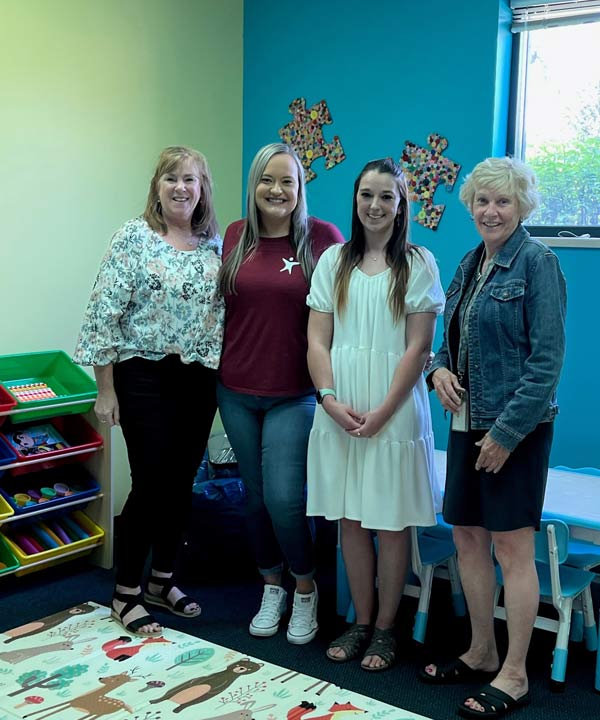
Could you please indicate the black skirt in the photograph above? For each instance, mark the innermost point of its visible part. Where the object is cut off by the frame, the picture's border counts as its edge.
(508, 500)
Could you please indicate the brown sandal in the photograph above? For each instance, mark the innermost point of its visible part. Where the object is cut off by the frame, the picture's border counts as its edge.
(383, 645)
(350, 642)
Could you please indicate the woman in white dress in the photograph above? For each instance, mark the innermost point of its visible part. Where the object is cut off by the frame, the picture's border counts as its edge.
(373, 305)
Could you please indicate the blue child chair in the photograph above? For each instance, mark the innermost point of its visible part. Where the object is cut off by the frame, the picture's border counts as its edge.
(428, 552)
(582, 554)
(562, 585)
(443, 531)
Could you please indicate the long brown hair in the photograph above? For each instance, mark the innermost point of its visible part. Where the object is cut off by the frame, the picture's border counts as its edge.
(204, 221)
(397, 249)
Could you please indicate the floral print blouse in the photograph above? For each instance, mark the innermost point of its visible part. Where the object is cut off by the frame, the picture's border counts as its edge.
(151, 300)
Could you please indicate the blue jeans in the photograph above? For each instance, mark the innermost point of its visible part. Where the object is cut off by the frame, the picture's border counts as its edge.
(269, 436)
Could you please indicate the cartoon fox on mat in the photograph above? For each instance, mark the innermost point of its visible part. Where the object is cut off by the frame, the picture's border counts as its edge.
(120, 651)
(338, 711)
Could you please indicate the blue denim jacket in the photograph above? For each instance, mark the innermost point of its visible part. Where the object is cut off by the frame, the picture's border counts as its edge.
(516, 338)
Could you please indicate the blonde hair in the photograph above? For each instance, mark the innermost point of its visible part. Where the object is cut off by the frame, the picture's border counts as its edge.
(249, 240)
(204, 221)
(503, 175)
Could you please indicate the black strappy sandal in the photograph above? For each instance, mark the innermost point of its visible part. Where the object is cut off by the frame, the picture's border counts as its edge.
(495, 703)
(163, 601)
(456, 672)
(130, 603)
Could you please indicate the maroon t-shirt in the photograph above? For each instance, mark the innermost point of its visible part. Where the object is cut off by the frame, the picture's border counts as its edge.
(264, 350)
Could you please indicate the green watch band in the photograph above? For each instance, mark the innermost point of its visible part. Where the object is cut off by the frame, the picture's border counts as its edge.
(323, 392)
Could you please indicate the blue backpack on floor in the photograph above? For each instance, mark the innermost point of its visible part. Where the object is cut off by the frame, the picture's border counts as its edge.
(217, 539)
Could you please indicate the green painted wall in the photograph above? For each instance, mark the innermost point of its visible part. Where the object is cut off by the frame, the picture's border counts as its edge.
(91, 92)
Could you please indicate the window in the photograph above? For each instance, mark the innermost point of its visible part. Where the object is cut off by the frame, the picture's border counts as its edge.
(555, 118)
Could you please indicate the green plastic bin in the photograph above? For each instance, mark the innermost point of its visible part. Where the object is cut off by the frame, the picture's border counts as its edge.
(55, 369)
(8, 561)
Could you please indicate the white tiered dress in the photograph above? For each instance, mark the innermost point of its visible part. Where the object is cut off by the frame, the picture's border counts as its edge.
(387, 482)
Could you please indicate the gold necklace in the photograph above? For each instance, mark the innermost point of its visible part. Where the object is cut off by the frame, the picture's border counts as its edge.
(373, 258)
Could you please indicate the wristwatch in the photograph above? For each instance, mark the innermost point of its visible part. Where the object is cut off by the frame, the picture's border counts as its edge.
(323, 392)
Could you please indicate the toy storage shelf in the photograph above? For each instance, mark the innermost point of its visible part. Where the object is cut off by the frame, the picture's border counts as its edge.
(44, 460)
(45, 511)
(85, 535)
(41, 564)
(96, 461)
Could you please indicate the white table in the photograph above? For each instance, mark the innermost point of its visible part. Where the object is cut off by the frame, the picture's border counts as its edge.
(570, 496)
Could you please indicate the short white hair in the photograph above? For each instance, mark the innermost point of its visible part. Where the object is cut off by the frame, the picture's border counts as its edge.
(505, 175)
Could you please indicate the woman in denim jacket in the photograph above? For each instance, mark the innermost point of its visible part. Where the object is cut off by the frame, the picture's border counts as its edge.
(497, 372)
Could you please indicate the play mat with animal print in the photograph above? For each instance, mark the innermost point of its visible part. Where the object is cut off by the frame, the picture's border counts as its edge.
(80, 665)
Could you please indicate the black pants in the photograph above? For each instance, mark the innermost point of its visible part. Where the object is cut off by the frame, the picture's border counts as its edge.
(167, 409)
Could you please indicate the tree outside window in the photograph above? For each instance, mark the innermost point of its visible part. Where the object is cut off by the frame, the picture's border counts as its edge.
(561, 125)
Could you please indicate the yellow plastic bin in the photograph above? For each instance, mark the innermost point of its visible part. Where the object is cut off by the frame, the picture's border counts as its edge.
(56, 555)
(5, 509)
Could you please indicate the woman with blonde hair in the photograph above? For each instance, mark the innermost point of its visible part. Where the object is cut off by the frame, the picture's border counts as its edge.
(497, 372)
(266, 397)
(373, 305)
(153, 330)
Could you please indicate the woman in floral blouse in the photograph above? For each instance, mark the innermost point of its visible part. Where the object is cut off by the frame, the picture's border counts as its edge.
(153, 331)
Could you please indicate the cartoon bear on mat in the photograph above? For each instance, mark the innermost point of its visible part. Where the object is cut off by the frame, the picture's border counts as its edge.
(198, 690)
(47, 623)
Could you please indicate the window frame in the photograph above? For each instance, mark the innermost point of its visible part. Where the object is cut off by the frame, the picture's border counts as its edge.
(578, 236)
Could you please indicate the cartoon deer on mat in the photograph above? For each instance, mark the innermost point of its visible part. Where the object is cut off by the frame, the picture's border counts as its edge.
(95, 703)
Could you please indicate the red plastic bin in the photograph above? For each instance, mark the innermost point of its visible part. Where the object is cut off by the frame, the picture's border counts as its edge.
(7, 403)
(81, 437)
(7, 456)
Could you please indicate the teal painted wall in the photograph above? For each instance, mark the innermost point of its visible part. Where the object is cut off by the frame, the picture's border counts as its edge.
(91, 92)
(397, 71)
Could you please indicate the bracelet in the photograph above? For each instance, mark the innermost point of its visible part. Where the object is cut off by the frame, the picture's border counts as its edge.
(323, 392)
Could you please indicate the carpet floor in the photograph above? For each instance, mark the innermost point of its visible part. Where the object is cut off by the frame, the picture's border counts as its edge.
(229, 603)
(80, 663)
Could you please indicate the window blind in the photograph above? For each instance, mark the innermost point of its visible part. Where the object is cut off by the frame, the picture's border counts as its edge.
(531, 15)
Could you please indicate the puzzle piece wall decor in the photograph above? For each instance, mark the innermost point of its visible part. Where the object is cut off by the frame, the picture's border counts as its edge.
(425, 169)
(305, 134)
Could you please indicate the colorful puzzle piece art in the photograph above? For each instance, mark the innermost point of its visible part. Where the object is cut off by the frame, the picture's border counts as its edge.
(425, 169)
(305, 134)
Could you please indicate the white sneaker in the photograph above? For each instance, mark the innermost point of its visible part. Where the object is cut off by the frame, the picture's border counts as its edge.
(303, 623)
(266, 621)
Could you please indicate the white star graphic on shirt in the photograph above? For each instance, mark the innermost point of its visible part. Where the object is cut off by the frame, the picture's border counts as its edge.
(288, 265)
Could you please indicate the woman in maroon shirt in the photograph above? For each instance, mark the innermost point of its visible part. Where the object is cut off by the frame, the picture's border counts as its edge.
(265, 394)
